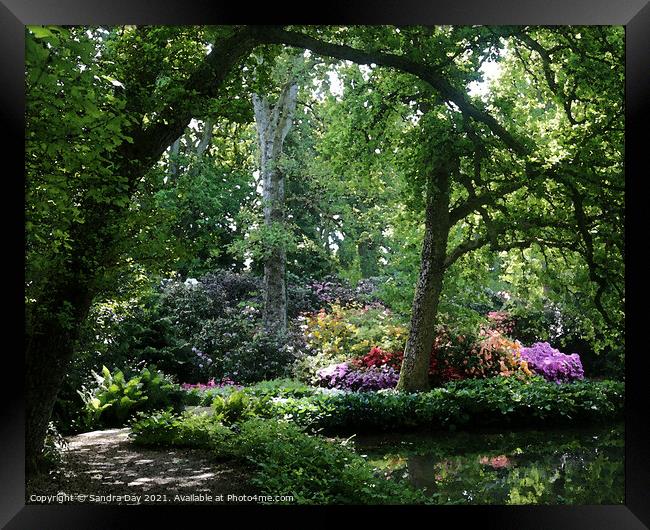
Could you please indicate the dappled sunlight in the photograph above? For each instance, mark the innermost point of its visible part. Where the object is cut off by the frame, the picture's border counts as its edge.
(107, 462)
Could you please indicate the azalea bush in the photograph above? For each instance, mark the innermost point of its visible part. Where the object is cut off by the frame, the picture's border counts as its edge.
(495, 354)
(346, 376)
(454, 358)
(501, 321)
(552, 364)
(346, 333)
(378, 357)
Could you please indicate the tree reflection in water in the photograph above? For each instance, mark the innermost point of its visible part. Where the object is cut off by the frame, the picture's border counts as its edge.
(569, 466)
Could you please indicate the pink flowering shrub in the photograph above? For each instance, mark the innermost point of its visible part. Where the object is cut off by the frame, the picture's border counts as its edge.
(210, 384)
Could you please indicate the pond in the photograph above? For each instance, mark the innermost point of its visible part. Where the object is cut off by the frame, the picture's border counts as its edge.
(559, 466)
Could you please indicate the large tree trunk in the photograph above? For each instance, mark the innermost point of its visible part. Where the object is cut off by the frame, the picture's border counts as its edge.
(414, 374)
(273, 124)
(49, 348)
(206, 138)
(174, 150)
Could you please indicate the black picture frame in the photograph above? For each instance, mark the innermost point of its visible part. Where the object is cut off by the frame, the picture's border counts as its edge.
(633, 14)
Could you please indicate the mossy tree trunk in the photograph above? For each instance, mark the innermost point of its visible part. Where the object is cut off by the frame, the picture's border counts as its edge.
(414, 374)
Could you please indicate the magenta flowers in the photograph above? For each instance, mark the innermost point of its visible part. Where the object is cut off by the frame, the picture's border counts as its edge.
(552, 364)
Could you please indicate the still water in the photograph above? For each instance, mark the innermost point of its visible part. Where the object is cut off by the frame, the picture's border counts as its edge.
(567, 466)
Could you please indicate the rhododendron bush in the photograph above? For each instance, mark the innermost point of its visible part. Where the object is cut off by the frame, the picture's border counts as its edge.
(552, 364)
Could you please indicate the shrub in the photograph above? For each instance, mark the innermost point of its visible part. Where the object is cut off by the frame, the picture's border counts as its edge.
(115, 398)
(288, 461)
(232, 408)
(551, 364)
(280, 388)
(258, 358)
(203, 329)
(494, 354)
(501, 321)
(344, 333)
(210, 384)
(495, 401)
(344, 376)
(332, 290)
(165, 428)
(457, 356)
(314, 470)
(376, 325)
(378, 357)
(276, 388)
(53, 448)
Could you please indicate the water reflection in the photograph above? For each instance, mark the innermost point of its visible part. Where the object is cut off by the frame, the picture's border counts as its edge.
(568, 466)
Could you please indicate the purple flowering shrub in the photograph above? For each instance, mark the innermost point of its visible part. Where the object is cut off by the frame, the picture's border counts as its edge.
(552, 364)
(345, 376)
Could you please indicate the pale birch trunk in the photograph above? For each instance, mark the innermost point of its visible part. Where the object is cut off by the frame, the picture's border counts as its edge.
(273, 124)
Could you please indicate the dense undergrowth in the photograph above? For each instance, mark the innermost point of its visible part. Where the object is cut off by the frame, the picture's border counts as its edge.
(278, 426)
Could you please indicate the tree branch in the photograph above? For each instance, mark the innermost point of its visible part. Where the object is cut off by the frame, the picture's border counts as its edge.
(277, 35)
(473, 203)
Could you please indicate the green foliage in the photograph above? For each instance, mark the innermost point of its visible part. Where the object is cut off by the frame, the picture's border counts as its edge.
(287, 461)
(164, 428)
(198, 330)
(53, 449)
(191, 213)
(319, 471)
(258, 392)
(262, 241)
(232, 408)
(280, 388)
(313, 470)
(356, 166)
(115, 398)
(75, 122)
(469, 403)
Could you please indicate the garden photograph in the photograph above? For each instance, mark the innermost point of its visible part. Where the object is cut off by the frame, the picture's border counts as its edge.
(324, 264)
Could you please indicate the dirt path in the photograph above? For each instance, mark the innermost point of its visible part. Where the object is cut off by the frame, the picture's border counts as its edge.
(106, 463)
